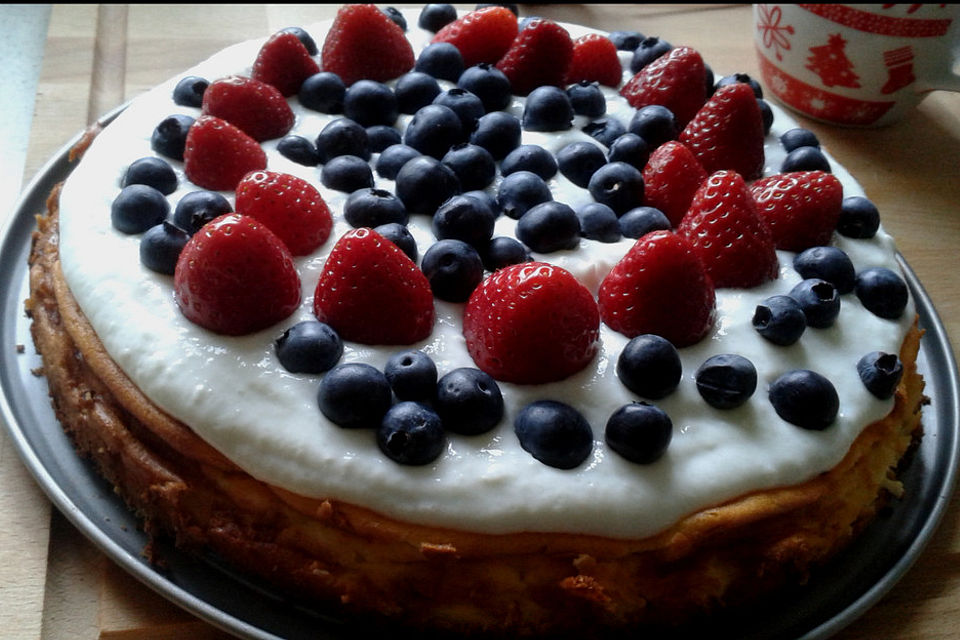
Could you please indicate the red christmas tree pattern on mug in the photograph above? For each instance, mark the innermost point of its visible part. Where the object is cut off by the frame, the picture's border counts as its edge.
(832, 65)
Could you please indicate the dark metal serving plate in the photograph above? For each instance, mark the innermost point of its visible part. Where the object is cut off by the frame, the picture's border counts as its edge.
(834, 598)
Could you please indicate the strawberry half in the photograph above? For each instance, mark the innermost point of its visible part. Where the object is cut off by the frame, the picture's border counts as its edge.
(217, 154)
(257, 108)
(531, 323)
(727, 132)
(284, 62)
(595, 59)
(289, 206)
(365, 44)
(728, 234)
(235, 276)
(661, 287)
(372, 293)
(676, 80)
(483, 35)
(801, 208)
(671, 176)
(539, 56)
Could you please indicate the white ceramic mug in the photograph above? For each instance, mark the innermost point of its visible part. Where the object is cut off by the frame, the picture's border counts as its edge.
(859, 65)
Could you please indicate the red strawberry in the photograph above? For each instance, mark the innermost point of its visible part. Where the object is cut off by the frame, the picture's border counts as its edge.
(217, 154)
(284, 62)
(483, 35)
(287, 205)
(235, 276)
(801, 208)
(539, 55)
(671, 177)
(728, 234)
(255, 107)
(676, 80)
(661, 287)
(531, 323)
(595, 59)
(727, 133)
(372, 293)
(363, 43)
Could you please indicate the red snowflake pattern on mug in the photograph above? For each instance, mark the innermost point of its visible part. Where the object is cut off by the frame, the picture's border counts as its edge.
(772, 32)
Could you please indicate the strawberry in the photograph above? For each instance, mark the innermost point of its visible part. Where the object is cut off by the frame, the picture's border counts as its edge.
(728, 234)
(483, 35)
(671, 176)
(217, 154)
(727, 132)
(676, 80)
(235, 276)
(372, 293)
(284, 62)
(659, 287)
(801, 208)
(595, 59)
(539, 55)
(364, 43)
(531, 323)
(255, 107)
(287, 205)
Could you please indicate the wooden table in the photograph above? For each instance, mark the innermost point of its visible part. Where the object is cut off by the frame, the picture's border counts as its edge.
(54, 584)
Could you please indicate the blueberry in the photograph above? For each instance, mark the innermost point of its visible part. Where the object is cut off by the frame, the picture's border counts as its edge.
(547, 109)
(396, 16)
(649, 366)
(342, 137)
(859, 218)
(197, 208)
(618, 185)
(827, 263)
(381, 136)
(530, 157)
(323, 92)
(440, 60)
(520, 191)
(433, 130)
(466, 105)
(474, 166)
(587, 99)
(649, 49)
(453, 268)
(487, 197)
(882, 292)
(354, 395)
(503, 251)
(726, 381)
(310, 346)
(411, 433)
(766, 114)
(605, 130)
(819, 301)
(554, 433)
(626, 40)
(372, 207)
(298, 149)
(780, 319)
(579, 160)
(170, 136)
(639, 432)
(465, 218)
(654, 123)
(599, 222)
(708, 80)
(498, 132)
(880, 373)
(742, 78)
(393, 158)
(368, 102)
(629, 148)
(489, 84)
(160, 247)
(189, 91)
(548, 227)
(424, 183)
(469, 401)
(137, 208)
(399, 235)
(347, 174)
(805, 398)
(640, 221)
(798, 137)
(805, 159)
(305, 38)
(434, 17)
(153, 172)
(412, 375)
(415, 90)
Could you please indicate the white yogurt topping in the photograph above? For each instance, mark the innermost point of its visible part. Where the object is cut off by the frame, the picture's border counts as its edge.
(234, 393)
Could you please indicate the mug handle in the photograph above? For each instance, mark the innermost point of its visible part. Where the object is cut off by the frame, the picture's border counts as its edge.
(946, 78)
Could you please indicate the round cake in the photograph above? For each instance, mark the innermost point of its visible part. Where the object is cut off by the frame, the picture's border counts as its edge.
(479, 324)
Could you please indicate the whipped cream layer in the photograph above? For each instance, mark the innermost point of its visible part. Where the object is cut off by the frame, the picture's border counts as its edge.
(235, 394)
